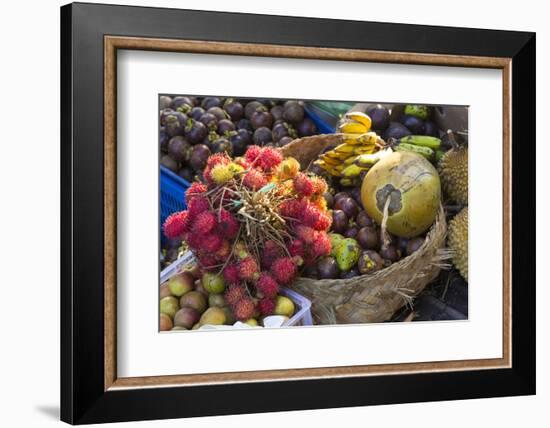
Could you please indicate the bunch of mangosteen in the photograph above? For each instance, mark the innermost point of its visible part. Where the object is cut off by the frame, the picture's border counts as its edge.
(193, 128)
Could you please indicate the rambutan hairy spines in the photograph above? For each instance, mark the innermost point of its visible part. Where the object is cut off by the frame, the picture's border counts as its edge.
(248, 269)
(194, 190)
(284, 270)
(224, 252)
(267, 285)
(176, 225)
(297, 248)
(207, 261)
(252, 154)
(218, 159)
(196, 206)
(244, 309)
(310, 215)
(303, 185)
(231, 274)
(324, 221)
(272, 250)
(204, 223)
(254, 179)
(306, 234)
(321, 245)
(266, 306)
(319, 185)
(228, 225)
(293, 208)
(211, 242)
(234, 293)
(270, 158)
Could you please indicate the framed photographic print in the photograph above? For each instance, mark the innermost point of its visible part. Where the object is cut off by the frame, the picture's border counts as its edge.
(265, 213)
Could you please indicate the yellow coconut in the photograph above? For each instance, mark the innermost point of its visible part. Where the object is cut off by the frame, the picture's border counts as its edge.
(410, 186)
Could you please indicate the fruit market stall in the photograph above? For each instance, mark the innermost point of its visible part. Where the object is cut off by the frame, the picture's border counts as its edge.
(284, 212)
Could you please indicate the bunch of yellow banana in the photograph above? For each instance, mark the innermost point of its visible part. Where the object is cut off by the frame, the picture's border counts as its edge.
(356, 141)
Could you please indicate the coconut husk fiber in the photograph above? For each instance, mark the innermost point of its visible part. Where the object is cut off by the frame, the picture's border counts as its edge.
(377, 296)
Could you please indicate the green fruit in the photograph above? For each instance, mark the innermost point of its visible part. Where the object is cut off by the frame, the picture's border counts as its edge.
(216, 300)
(213, 316)
(418, 110)
(335, 239)
(347, 253)
(169, 306)
(284, 306)
(181, 283)
(213, 283)
(165, 322)
(178, 327)
(229, 317)
(186, 317)
(410, 185)
(194, 300)
(252, 322)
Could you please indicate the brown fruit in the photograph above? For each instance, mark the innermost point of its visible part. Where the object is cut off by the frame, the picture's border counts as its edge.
(165, 323)
(370, 261)
(368, 238)
(195, 300)
(186, 317)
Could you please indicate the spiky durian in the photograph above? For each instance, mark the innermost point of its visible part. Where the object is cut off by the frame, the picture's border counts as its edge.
(458, 241)
(453, 170)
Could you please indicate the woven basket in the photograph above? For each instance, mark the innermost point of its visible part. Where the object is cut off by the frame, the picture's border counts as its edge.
(373, 297)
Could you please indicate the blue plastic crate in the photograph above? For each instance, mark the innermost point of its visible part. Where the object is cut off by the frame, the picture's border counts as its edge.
(172, 193)
(322, 126)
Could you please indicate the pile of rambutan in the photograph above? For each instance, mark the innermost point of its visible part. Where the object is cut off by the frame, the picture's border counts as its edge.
(256, 220)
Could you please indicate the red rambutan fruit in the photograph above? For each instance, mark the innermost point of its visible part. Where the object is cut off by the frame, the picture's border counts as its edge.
(244, 309)
(218, 159)
(284, 270)
(271, 251)
(176, 225)
(194, 240)
(207, 175)
(310, 215)
(306, 234)
(225, 250)
(234, 293)
(207, 261)
(266, 306)
(204, 223)
(303, 185)
(297, 248)
(195, 189)
(254, 179)
(252, 154)
(324, 221)
(293, 208)
(231, 274)
(270, 158)
(228, 225)
(196, 206)
(248, 268)
(319, 185)
(267, 285)
(242, 162)
(211, 243)
(321, 245)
